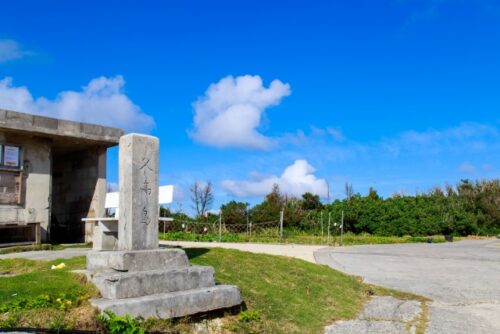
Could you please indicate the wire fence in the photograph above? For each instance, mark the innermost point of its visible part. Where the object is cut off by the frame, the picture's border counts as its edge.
(218, 231)
(315, 230)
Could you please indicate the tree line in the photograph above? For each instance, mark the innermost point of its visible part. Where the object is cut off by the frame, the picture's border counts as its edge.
(469, 208)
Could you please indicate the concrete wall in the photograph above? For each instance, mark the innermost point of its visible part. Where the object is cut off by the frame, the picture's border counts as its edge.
(64, 174)
(36, 162)
(78, 191)
(58, 189)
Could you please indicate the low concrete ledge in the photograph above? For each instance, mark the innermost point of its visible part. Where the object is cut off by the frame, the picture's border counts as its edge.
(138, 260)
(141, 283)
(174, 304)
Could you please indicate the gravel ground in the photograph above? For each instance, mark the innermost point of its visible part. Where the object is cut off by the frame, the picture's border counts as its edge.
(382, 315)
(47, 255)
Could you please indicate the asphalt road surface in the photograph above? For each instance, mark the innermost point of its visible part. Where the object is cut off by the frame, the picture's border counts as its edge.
(462, 278)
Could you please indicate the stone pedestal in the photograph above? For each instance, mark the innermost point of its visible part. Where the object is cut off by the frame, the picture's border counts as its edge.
(139, 278)
(156, 283)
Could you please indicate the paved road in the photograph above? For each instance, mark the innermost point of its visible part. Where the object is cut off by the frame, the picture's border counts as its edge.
(303, 252)
(47, 255)
(462, 278)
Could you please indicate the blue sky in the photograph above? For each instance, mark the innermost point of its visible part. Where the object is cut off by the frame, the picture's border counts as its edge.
(400, 95)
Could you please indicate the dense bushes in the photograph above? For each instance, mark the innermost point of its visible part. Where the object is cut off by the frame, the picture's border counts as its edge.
(468, 208)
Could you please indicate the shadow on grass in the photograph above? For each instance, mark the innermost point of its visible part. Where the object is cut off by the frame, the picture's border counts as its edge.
(191, 252)
(195, 252)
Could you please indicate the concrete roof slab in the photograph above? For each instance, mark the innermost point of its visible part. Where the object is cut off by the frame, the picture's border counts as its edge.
(14, 121)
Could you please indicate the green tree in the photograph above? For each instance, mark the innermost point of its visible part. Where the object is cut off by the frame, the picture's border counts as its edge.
(269, 209)
(311, 202)
(234, 212)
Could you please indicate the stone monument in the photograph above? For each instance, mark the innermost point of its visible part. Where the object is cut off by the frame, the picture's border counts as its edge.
(141, 279)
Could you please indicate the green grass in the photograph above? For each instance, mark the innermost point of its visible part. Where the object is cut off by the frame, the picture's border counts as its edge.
(35, 278)
(297, 237)
(282, 295)
(37, 296)
(292, 296)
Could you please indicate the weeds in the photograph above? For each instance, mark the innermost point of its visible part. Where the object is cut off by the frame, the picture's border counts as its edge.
(120, 324)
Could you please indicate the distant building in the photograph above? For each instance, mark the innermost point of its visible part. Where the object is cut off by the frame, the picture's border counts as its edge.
(52, 174)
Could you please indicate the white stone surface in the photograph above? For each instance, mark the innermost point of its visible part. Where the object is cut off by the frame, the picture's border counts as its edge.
(138, 260)
(174, 304)
(138, 202)
(115, 285)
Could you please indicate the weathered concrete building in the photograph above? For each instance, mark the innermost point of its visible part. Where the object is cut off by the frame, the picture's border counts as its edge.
(52, 174)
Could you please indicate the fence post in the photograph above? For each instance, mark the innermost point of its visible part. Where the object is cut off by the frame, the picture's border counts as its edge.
(281, 225)
(220, 226)
(248, 226)
(329, 218)
(342, 230)
(321, 225)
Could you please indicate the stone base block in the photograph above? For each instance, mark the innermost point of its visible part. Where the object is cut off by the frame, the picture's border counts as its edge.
(137, 260)
(141, 283)
(174, 304)
(104, 240)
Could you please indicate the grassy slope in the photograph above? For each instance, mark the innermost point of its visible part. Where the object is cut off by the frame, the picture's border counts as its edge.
(290, 295)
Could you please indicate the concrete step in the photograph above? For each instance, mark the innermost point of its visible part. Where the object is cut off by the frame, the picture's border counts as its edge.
(137, 260)
(117, 285)
(174, 304)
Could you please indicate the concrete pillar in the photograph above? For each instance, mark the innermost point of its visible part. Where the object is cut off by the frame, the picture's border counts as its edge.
(138, 204)
(99, 197)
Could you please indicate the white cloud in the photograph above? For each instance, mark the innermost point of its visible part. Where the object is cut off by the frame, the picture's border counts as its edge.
(11, 50)
(231, 111)
(488, 167)
(297, 179)
(336, 133)
(472, 137)
(467, 167)
(102, 101)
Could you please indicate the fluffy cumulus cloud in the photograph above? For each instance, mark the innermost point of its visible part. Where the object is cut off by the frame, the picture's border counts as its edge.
(11, 50)
(231, 111)
(296, 179)
(102, 101)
